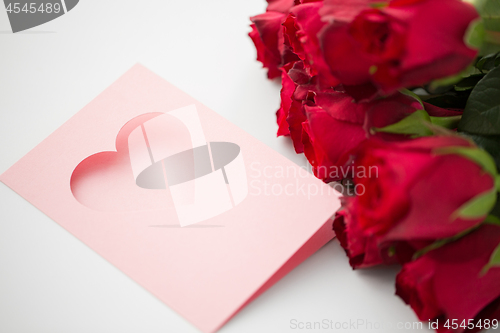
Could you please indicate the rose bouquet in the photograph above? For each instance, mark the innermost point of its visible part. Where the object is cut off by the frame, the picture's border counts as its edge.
(401, 100)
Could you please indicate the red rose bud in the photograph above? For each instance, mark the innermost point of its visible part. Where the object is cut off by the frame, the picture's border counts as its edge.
(296, 84)
(265, 34)
(398, 183)
(406, 43)
(326, 139)
(287, 90)
(361, 250)
(301, 29)
(302, 116)
(450, 284)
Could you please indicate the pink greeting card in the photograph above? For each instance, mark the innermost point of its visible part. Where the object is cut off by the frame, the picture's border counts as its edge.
(194, 209)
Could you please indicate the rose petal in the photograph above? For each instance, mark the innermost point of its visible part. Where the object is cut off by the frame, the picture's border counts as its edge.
(328, 139)
(265, 35)
(449, 282)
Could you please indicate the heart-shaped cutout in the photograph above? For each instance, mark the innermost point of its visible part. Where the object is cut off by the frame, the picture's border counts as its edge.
(163, 160)
(105, 181)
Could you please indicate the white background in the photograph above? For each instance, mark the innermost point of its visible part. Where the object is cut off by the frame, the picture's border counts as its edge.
(50, 281)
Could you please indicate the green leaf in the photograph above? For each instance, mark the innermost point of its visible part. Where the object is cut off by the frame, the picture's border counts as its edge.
(439, 130)
(484, 123)
(469, 82)
(446, 81)
(477, 207)
(490, 12)
(453, 79)
(482, 112)
(492, 219)
(450, 100)
(413, 125)
(489, 143)
(474, 154)
(489, 47)
(410, 93)
(496, 210)
(475, 34)
(494, 261)
(488, 62)
(446, 122)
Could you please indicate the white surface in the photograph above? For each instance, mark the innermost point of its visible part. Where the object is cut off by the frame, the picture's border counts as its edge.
(51, 282)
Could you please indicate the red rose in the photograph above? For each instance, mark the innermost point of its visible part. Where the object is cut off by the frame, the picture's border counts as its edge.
(282, 6)
(344, 11)
(364, 250)
(301, 29)
(404, 44)
(398, 183)
(287, 90)
(321, 117)
(450, 283)
(295, 93)
(326, 124)
(265, 34)
(326, 139)
(335, 124)
(361, 250)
